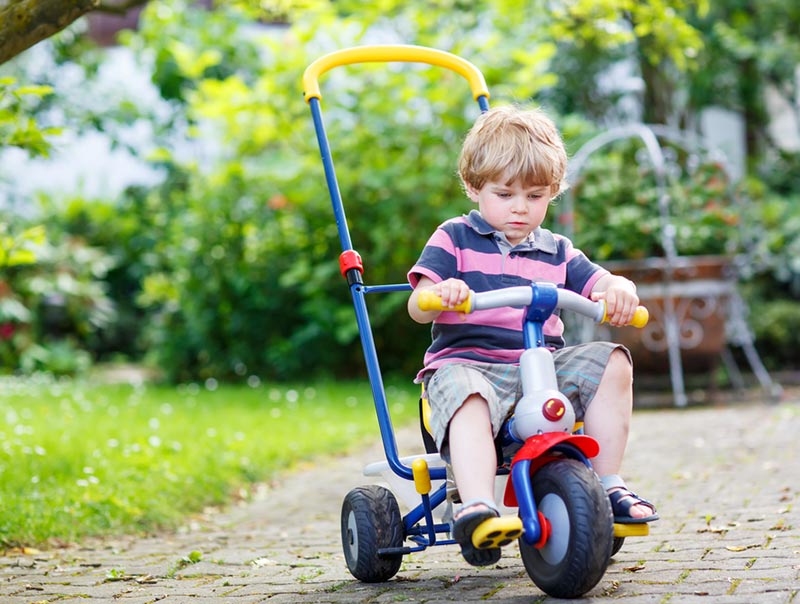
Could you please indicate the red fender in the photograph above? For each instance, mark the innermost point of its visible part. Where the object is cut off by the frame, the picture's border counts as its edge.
(537, 449)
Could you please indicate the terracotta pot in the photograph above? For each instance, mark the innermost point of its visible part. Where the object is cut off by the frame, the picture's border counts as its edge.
(700, 288)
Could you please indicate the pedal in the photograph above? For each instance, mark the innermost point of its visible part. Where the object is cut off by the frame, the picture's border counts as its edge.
(497, 532)
(641, 529)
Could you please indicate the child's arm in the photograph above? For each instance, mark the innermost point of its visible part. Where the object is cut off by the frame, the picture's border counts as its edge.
(452, 292)
(620, 296)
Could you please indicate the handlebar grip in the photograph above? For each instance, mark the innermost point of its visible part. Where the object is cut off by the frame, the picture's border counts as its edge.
(640, 317)
(428, 300)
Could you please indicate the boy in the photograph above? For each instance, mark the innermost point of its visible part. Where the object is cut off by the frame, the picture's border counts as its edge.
(512, 164)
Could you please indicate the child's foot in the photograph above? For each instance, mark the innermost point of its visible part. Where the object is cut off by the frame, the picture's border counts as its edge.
(481, 531)
(468, 518)
(627, 506)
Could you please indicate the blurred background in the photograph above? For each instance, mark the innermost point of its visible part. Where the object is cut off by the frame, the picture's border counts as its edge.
(162, 201)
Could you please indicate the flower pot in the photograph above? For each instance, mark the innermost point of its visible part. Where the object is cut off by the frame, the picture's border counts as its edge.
(693, 292)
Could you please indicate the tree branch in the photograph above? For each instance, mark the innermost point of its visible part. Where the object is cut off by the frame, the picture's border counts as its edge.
(26, 22)
(119, 8)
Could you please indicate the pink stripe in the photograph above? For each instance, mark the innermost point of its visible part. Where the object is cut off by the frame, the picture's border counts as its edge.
(420, 271)
(542, 270)
(502, 356)
(506, 318)
(441, 239)
(472, 260)
(587, 289)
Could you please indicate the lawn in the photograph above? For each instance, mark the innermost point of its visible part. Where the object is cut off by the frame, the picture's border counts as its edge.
(80, 459)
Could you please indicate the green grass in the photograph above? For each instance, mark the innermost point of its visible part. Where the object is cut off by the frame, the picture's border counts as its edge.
(81, 459)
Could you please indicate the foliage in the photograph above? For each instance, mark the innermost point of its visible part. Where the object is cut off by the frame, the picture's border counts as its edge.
(17, 126)
(244, 276)
(597, 39)
(229, 265)
(53, 303)
(616, 206)
(17, 249)
(73, 455)
(751, 48)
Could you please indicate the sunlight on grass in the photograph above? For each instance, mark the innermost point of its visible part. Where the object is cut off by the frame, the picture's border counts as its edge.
(81, 459)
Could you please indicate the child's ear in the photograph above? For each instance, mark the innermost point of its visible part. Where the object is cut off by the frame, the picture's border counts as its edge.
(471, 191)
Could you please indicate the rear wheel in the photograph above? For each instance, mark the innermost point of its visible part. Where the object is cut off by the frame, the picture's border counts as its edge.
(618, 543)
(578, 551)
(371, 521)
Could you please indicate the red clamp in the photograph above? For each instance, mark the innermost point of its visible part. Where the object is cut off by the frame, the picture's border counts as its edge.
(349, 260)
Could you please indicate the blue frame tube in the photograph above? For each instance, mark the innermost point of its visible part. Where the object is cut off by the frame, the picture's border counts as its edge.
(330, 175)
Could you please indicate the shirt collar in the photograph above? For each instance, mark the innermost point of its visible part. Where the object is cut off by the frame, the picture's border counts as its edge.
(540, 239)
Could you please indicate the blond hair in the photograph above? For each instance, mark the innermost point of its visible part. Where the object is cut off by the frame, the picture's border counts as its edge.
(514, 144)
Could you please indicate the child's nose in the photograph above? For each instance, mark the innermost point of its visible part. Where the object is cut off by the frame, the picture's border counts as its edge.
(519, 205)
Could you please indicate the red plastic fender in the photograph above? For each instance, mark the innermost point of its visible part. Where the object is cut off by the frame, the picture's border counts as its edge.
(537, 449)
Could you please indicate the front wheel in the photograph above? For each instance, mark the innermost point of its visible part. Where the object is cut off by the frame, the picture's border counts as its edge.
(371, 521)
(578, 551)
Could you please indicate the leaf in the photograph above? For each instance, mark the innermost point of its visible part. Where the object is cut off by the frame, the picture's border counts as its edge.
(741, 548)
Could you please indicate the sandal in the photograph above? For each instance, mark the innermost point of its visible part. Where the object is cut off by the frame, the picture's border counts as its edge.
(623, 499)
(483, 532)
(465, 525)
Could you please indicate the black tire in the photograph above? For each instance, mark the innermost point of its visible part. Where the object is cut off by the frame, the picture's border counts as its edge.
(371, 521)
(618, 542)
(578, 552)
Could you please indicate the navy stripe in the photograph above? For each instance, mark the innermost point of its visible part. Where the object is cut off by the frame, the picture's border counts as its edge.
(438, 260)
(481, 282)
(464, 236)
(474, 336)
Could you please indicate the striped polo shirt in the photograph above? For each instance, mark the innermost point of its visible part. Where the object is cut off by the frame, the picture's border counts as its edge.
(470, 249)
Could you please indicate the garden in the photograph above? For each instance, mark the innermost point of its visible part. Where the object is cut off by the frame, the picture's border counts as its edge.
(217, 278)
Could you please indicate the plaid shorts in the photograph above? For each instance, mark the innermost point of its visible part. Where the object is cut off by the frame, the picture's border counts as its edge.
(578, 371)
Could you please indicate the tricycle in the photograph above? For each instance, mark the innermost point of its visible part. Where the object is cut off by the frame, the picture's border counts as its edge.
(563, 524)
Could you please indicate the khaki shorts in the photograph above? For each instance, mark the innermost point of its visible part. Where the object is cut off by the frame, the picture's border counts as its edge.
(578, 371)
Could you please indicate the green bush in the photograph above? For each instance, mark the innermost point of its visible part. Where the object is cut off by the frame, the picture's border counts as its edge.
(54, 306)
(616, 198)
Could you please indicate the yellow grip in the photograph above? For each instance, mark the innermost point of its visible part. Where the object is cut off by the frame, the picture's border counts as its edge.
(422, 476)
(428, 300)
(640, 317)
(385, 53)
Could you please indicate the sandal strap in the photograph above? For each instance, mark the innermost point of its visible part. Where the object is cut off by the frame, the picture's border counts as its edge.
(473, 502)
(613, 481)
(626, 499)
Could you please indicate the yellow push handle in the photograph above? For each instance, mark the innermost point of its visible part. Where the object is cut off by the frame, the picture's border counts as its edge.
(385, 53)
(428, 300)
(640, 317)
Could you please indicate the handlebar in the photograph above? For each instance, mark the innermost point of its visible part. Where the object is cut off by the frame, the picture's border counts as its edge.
(522, 296)
(385, 53)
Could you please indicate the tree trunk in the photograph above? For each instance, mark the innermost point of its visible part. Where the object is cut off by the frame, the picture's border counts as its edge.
(23, 23)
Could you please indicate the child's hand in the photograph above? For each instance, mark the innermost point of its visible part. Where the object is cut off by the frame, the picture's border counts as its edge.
(621, 300)
(452, 292)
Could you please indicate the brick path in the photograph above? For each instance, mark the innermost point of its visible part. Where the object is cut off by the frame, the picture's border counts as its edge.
(726, 480)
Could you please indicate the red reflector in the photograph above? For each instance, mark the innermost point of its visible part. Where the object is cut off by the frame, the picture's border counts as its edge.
(553, 409)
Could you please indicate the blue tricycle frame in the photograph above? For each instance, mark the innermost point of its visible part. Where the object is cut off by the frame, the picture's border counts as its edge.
(374, 532)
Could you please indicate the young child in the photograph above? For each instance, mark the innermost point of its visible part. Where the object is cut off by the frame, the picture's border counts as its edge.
(512, 165)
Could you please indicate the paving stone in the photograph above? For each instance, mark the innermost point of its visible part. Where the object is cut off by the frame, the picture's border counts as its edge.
(725, 480)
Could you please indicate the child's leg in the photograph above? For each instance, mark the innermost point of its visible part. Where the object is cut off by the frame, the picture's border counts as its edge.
(607, 419)
(472, 452)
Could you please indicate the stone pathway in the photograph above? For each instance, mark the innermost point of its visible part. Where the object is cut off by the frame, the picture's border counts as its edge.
(726, 481)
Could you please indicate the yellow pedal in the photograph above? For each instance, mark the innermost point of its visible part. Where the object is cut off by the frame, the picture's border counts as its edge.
(631, 530)
(497, 532)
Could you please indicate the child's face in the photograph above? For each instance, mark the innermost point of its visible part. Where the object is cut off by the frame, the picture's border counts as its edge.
(513, 209)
